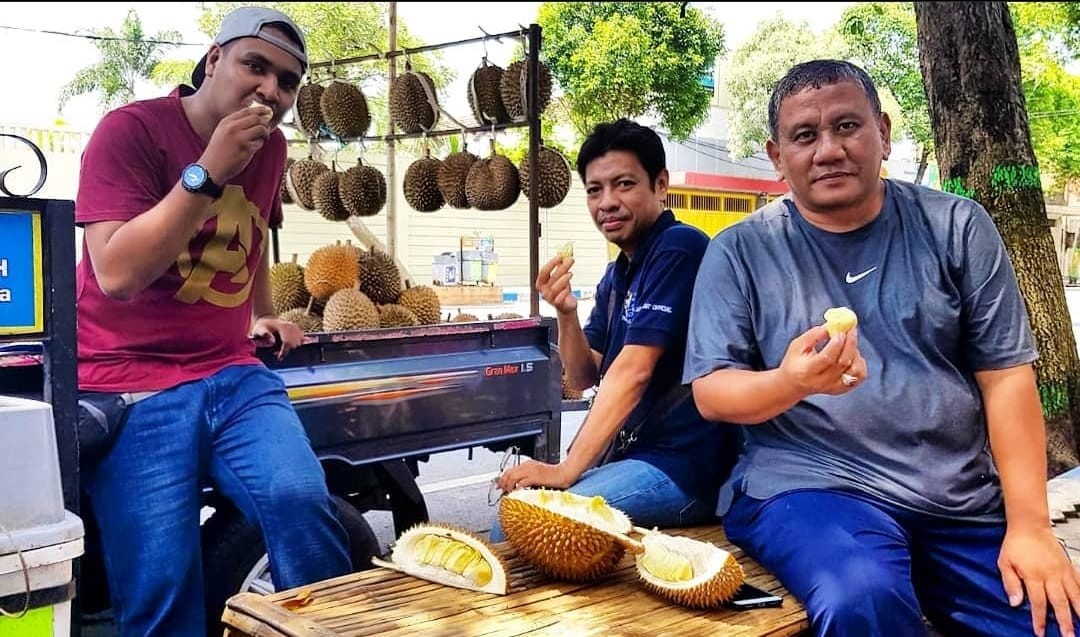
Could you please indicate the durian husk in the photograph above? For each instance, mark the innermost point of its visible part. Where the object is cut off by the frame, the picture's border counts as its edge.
(506, 316)
(553, 181)
(329, 269)
(301, 178)
(424, 303)
(453, 171)
(513, 86)
(345, 109)
(485, 97)
(307, 112)
(716, 576)
(348, 310)
(394, 315)
(464, 317)
(380, 278)
(473, 553)
(307, 322)
(287, 286)
(492, 183)
(414, 105)
(286, 197)
(326, 197)
(362, 190)
(421, 185)
(564, 535)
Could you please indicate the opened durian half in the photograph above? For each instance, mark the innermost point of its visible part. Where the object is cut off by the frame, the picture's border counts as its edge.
(449, 555)
(565, 535)
(686, 571)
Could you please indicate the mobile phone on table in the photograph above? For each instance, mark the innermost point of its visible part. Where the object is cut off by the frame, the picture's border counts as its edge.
(749, 596)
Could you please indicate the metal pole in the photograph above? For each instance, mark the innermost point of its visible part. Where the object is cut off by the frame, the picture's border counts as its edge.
(391, 144)
(532, 111)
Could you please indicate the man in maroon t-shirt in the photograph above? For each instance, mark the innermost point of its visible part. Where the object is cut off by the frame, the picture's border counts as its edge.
(177, 195)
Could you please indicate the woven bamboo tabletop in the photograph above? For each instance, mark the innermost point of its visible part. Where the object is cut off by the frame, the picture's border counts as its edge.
(387, 603)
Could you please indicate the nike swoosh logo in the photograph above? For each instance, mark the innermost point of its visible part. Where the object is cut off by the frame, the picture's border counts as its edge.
(852, 278)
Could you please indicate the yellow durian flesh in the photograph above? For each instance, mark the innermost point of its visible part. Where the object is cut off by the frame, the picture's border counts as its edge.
(839, 320)
(448, 555)
(566, 250)
(688, 572)
(564, 535)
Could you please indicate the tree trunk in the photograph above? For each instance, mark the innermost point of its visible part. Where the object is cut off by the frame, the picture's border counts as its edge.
(924, 154)
(971, 72)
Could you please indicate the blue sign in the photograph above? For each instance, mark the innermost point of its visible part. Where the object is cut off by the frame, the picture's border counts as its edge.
(22, 296)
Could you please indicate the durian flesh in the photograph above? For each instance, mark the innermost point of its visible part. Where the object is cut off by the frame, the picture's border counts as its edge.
(450, 556)
(688, 572)
(564, 535)
(566, 250)
(839, 320)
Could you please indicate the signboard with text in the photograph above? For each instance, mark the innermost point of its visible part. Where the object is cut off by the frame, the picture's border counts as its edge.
(22, 293)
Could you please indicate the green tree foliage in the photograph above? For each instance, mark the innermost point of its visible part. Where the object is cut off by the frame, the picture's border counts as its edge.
(630, 59)
(775, 46)
(127, 55)
(881, 38)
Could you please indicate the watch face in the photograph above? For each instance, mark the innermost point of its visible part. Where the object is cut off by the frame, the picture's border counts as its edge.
(194, 176)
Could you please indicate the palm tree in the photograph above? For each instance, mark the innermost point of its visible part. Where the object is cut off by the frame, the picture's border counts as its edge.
(127, 56)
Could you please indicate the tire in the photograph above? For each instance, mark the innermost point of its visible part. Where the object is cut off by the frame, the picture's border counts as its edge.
(235, 558)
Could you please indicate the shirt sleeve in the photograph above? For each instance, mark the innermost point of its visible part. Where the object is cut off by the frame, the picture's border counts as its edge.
(993, 310)
(658, 313)
(597, 325)
(120, 173)
(721, 333)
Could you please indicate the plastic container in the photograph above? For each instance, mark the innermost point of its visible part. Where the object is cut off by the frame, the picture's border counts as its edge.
(444, 269)
(471, 266)
(39, 539)
(489, 270)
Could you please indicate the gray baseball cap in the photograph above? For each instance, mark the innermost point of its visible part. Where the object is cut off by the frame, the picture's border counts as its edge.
(248, 22)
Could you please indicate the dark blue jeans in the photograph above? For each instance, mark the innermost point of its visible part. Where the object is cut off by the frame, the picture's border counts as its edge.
(642, 492)
(238, 430)
(864, 568)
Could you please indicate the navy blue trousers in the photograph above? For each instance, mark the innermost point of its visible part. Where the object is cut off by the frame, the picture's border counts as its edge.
(862, 567)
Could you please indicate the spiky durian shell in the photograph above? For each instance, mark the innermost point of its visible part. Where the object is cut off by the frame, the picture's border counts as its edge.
(717, 574)
(287, 287)
(424, 303)
(331, 268)
(394, 315)
(558, 545)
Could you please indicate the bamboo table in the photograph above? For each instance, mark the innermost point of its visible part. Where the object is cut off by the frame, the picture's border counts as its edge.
(388, 603)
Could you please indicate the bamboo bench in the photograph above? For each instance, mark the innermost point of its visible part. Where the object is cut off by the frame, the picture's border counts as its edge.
(388, 604)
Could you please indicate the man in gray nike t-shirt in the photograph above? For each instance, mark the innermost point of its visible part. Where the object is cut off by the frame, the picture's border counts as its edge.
(866, 481)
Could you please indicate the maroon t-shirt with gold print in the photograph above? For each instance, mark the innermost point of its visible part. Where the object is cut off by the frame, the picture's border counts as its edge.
(194, 320)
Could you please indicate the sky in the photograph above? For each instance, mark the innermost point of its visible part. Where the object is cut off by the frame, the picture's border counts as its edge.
(35, 66)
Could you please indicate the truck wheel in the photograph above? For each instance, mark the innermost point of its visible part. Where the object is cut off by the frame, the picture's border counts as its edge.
(235, 558)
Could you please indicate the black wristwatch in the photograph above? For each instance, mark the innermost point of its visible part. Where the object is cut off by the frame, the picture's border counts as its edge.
(196, 179)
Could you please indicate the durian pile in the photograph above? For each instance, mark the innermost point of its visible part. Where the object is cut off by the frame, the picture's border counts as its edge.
(577, 538)
(343, 287)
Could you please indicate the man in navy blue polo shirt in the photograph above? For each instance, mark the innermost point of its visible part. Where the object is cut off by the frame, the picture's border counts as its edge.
(643, 446)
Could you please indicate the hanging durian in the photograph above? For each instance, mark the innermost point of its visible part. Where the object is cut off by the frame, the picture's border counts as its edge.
(421, 184)
(301, 178)
(553, 180)
(363, 190)
(492, 183)
(325, 195)
(344, 109)
(453, 171)
(565, 535)
(513, 85)
(448, 555)
(307, 112)
(285, 196)
(414, 104)
(686, 571)
(485, 97)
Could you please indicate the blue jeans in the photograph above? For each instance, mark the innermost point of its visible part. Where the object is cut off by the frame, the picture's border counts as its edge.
(238, 429)
(642, 492)
(862, 567)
